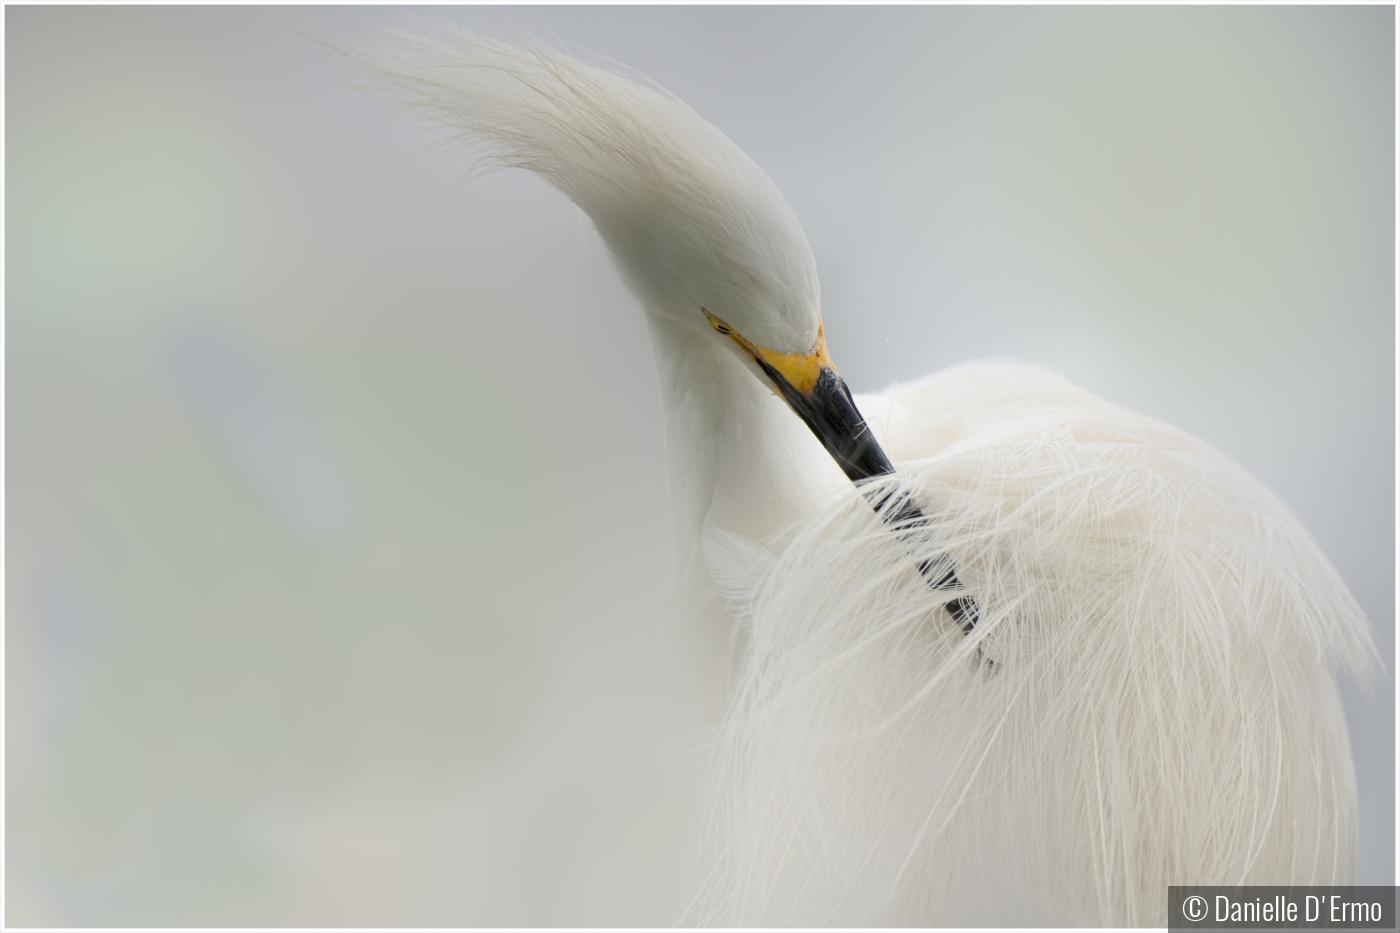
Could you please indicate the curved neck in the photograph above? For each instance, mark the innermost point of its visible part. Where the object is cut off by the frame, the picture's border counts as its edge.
(737, 459)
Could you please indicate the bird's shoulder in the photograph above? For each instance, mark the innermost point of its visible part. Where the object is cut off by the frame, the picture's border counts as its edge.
(967, 404)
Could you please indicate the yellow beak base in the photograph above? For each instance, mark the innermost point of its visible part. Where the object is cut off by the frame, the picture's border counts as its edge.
(801, 370)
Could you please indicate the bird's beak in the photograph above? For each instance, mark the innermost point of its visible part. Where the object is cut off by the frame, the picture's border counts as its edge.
(810, 385)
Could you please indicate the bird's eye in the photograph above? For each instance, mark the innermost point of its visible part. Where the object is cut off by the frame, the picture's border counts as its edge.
(717, 324)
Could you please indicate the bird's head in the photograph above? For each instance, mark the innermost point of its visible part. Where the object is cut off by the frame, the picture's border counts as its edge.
(701, 235)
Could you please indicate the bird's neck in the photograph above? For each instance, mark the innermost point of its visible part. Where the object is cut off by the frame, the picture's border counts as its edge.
(737, 459)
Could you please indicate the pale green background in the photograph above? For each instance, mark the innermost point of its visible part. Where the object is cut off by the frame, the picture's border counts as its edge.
(338, 547)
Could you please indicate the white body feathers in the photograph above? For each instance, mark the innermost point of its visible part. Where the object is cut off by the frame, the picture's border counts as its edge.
(1159, 707)
(1148, 696)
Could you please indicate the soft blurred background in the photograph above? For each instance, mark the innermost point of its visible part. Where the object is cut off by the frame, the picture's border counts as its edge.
(338, 540)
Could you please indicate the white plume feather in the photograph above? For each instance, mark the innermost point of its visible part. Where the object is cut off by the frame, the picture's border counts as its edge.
(738, 566)
(1159, 709)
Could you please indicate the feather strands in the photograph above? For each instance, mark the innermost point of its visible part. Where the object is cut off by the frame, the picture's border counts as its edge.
(1159, 707)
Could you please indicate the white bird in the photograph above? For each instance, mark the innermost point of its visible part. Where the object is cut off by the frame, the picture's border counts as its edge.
(1059, 657)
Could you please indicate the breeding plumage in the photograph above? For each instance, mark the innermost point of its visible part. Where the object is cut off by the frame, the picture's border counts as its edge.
(1146, 696)
(1159, 707)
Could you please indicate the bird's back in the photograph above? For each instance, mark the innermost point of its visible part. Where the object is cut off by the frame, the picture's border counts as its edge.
(970, 404)
(1147, 699)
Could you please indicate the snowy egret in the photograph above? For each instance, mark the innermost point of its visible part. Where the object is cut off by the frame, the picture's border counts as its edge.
(1070, 657)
